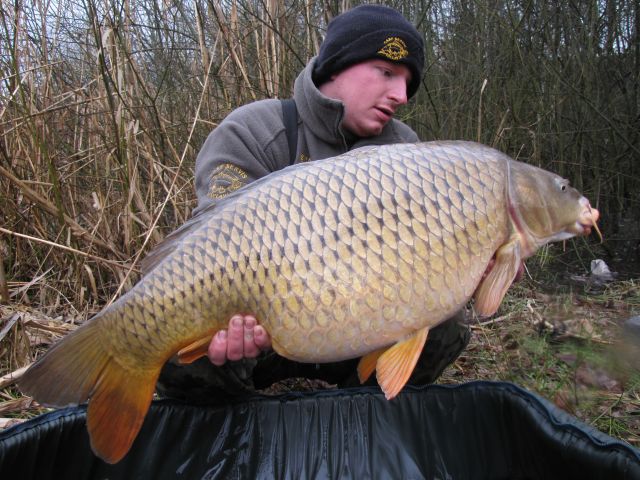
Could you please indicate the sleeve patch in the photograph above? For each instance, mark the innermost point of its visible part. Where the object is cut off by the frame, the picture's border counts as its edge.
(226, 178)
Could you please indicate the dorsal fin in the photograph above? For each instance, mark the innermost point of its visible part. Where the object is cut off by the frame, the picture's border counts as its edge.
(171, 241)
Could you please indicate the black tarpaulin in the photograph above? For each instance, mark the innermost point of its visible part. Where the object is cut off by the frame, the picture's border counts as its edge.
(471, 431)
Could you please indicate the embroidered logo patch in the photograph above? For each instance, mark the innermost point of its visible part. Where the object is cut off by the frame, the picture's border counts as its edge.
(226, 178)
(304, 158)
(394, 49)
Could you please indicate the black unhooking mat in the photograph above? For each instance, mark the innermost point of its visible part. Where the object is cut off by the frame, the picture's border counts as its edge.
(472, 431)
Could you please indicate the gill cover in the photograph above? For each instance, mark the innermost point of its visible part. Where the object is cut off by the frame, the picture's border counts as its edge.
(543, 206)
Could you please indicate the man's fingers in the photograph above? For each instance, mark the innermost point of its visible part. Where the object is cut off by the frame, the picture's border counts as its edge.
(250, 348)
(218, 348)
(235, 338)
(244, 338)
(262, 338)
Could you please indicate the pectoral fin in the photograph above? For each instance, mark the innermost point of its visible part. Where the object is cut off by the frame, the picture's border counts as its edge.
(367, 364)
(394, 367)
(494, 286)
(194, 351)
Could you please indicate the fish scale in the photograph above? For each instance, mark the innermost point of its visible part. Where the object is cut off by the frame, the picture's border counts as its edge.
(357, 255)
(354, 265)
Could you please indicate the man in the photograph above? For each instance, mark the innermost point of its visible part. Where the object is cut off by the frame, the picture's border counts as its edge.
(369, 64)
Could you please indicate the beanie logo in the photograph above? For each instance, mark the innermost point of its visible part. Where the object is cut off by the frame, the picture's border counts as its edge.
(394, 49)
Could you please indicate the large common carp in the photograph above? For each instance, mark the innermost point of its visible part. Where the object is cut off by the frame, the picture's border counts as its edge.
(357, 255)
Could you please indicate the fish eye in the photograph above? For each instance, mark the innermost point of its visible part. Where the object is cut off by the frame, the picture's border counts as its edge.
(563, 184)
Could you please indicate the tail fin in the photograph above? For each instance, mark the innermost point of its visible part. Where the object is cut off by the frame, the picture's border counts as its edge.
(80, 368)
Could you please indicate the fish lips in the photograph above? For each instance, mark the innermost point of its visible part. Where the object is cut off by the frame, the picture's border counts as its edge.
(587, 221)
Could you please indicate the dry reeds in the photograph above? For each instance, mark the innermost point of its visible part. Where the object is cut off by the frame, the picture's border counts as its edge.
(103, 111)
(104, 106)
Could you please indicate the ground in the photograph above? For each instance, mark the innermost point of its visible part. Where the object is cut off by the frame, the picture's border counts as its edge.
(572, 349)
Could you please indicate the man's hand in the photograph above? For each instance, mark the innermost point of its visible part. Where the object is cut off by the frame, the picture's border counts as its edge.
(243, 339)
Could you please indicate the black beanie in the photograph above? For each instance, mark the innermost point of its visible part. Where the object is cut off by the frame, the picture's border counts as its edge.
(367, 32)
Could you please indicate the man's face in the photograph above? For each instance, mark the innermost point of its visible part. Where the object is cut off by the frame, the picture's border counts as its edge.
(371, 92)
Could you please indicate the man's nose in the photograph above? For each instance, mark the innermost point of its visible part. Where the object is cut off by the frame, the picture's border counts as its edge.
(398, 91)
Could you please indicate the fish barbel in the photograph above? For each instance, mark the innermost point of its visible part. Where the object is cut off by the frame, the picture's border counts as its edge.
(357, 255)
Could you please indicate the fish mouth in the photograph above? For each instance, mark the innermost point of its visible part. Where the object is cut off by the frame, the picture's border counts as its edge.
(587, 221)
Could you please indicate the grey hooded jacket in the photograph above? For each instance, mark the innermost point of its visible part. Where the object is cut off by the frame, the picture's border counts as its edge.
(251, 141)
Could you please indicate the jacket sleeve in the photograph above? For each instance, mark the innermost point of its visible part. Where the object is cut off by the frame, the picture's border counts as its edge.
(249, 144)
